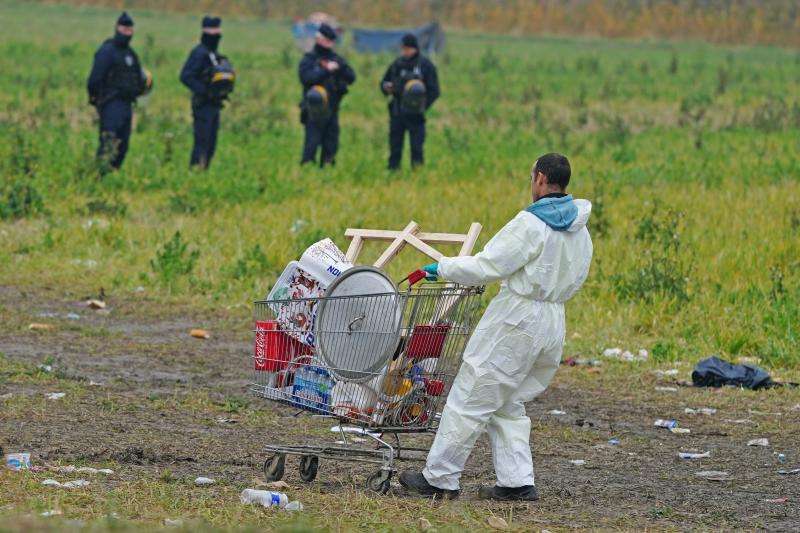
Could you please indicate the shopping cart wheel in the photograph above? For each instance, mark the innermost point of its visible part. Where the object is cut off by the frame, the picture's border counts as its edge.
(274, 467)
(379, 481)
(309, 464)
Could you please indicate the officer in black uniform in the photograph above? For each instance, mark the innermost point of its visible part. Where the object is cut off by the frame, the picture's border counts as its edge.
(196, 75)
(116, 80)
(325, 77)
(413, 84)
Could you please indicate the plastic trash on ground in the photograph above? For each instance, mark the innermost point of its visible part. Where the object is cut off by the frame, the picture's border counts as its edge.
(18, 461)
(265, 498)
(758, 442)
(68, 485)
(200, 481)
(694, 455)
(701, 411)
(668, 424)
(714, 372)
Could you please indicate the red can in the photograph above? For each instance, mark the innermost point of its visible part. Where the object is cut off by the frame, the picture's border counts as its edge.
(273, 348)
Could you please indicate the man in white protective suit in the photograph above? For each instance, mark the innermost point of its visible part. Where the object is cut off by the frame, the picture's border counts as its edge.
(542, 257)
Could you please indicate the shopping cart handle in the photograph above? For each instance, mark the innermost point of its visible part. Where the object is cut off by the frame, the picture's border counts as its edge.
(416, 276)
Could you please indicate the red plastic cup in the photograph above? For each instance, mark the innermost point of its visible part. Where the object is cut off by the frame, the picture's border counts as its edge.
(434, 387)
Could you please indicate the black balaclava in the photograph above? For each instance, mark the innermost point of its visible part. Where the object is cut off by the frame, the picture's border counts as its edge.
(119, 39)
(210, 40)
(329, 33)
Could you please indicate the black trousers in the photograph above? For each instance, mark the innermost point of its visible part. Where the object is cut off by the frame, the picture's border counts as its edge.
(325, 134)
(398, 125)
(115, 131)
(206, 125)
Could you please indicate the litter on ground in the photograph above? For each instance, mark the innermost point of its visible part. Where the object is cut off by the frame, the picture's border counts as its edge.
(18, 461)
(81, 470)
(204, 481)
(777, 500)
(54, 395)
(618, 353)
(556, 412)
(666, 373)
(714, 372)
(739, 421)
(68, 485)
(578, 462)
(667, 389)
(758, 442)
(95, 304)
(694, 455)
(789, 472)
(700, 411)
(680, 431)
(200, 334)
(713, 475)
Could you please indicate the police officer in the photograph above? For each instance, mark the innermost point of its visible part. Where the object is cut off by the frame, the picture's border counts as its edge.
(413, 84)
(325, 77)
(196, 75)
(115, 82)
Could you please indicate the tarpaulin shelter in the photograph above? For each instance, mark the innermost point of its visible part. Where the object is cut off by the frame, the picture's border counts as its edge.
(304, 30)
(430, 36)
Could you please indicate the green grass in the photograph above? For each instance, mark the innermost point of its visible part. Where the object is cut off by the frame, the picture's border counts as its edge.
(657, 133)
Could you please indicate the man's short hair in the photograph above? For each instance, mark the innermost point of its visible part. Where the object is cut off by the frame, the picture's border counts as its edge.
(555, 167)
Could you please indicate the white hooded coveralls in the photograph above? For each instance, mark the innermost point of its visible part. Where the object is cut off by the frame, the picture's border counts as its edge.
(516, 347)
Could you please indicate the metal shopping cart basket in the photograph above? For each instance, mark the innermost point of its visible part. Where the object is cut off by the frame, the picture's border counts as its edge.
(377, 359)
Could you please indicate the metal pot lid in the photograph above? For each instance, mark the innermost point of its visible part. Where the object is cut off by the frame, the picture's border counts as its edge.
(357, 327)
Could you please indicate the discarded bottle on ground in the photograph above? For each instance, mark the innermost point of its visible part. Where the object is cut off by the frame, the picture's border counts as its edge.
(266, 498)
(669, 424)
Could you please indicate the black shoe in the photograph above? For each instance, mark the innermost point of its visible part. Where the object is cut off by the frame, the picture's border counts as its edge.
(527, 493)
(416, 482)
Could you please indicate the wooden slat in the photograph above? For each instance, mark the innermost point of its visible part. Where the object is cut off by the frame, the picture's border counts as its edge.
(471, 238)
(397, 245)
(426, 249)
(387, 235)
(354, 249)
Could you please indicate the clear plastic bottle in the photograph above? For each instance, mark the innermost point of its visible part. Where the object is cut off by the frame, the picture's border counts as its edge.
(267, 498)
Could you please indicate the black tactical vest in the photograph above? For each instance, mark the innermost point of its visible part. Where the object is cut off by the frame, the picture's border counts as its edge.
(126, 79)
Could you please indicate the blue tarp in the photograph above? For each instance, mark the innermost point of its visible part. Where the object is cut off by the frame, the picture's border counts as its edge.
(430, 36)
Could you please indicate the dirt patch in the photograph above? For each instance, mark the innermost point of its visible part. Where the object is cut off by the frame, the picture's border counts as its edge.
(171, 402)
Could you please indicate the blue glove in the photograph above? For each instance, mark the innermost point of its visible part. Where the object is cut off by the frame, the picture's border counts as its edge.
(432, 271)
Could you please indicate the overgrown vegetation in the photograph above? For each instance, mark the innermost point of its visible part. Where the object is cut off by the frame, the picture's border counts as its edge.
(653, 131)
(731, 21)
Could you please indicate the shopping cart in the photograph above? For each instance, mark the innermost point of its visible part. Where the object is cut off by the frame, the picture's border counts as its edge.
(377, 359)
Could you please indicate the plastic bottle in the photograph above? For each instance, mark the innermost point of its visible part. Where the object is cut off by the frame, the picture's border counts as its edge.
(266, 498)
(669, 424)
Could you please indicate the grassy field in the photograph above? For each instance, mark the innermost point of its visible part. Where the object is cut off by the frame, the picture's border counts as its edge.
(689, 153)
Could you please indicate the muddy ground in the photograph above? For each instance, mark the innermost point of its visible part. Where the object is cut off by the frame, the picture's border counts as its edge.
(146, 397)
